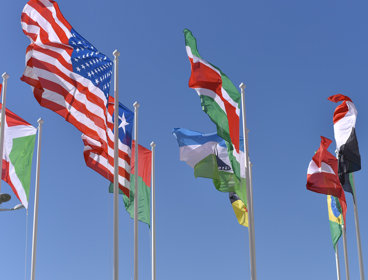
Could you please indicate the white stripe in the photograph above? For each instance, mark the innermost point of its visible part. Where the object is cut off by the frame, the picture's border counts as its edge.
(225, 95)
(343, 128)
(51, 8)
(192, 154)
(60, 51)
(213, 95)
(325, 168)
(44, 24)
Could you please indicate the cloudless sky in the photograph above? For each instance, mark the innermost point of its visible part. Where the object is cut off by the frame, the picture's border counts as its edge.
(291, 55)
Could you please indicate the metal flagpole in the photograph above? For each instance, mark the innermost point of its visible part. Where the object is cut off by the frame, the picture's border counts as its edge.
(3, 108)
(252, 247)
(153, 212)
(345, 252)
(136, 106)
(35, 212)
(357, 230)
(337, 262)
(251, 197)
(116, 167)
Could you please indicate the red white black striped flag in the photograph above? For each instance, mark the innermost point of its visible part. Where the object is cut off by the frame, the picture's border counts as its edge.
(344, 120)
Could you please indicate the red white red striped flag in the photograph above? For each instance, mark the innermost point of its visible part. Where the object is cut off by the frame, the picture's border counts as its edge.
(68, 75)
(322, 175)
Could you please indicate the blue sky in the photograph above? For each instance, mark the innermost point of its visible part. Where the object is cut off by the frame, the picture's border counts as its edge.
(291, 55)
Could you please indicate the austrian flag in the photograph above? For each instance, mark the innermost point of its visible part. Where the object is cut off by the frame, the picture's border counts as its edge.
(322, 175)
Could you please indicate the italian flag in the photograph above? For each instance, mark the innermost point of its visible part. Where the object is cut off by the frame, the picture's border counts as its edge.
(19, 141)
(220, 99)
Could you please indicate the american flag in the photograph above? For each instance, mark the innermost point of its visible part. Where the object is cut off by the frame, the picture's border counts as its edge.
(68, 75)
(103, 162)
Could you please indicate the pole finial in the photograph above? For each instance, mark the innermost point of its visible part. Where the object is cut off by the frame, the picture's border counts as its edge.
(153, 144)
(40, 121)
(5, 76)
(116, 53)
(136, 105)
(242, 86)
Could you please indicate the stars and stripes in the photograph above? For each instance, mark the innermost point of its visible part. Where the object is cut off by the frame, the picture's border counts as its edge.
(102, 160)
(68, 74)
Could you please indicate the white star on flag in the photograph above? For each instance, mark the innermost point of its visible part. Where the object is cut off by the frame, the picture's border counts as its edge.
(123, 123)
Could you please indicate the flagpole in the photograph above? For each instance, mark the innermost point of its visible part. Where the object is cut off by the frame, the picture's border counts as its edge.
(3, 108)
(116, 54)
(357, 230)
(153, 212)
(252, 247)
(136, 106)
(251, 195)
(337, 262)
(35, 212)
(345, 252)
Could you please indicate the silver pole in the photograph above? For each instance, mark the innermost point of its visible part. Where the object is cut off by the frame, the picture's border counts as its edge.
(153, 212)
(251, 197)
(35, 212)
(357, 230)
(136, 106)
(252, 249)
(116, 167)
(3, 108)
(337, 262)
(345, 252)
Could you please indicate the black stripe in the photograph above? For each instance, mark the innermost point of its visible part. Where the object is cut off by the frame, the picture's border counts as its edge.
(233, 197)
(349, 157)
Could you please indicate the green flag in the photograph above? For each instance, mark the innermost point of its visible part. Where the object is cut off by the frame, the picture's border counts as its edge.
(335, 217)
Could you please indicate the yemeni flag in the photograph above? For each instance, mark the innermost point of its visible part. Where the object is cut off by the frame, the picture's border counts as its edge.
(335, 218)
(344, 120)
(220, 99)
(323, 175)
(19, 142)
(207, 155)
(144, 185)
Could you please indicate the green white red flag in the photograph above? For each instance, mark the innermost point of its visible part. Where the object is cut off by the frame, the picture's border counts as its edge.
(19, 142)
(220, 99)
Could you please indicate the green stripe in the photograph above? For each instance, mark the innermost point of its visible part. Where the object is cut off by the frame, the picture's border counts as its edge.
(231, 89)
(217, 115)
(144, 204)
(336, 232)
(191, 42)
(21, 158)
(223, 181)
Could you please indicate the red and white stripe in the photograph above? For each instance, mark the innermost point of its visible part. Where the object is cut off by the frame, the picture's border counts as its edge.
(344, 118)
(102, 160)
(49, 71)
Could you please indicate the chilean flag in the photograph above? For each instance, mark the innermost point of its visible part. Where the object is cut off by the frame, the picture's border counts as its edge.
(346, 142)
(322, 175)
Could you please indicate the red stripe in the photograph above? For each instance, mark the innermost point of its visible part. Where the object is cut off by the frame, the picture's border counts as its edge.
(100, 122)
(13, 119)
(60, 15)
(342, 109)
(61, 110)
(6, 178)
(47, 15)
(53, 54)
(203, 76)
(144, 163)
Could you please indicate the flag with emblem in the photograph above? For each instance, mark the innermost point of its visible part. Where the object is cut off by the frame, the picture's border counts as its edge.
(322, 174)
(344, 120)
(208, 155)
(220, 99)
(101, 159)
(19, 142)
(68, 74)
(335, 218)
